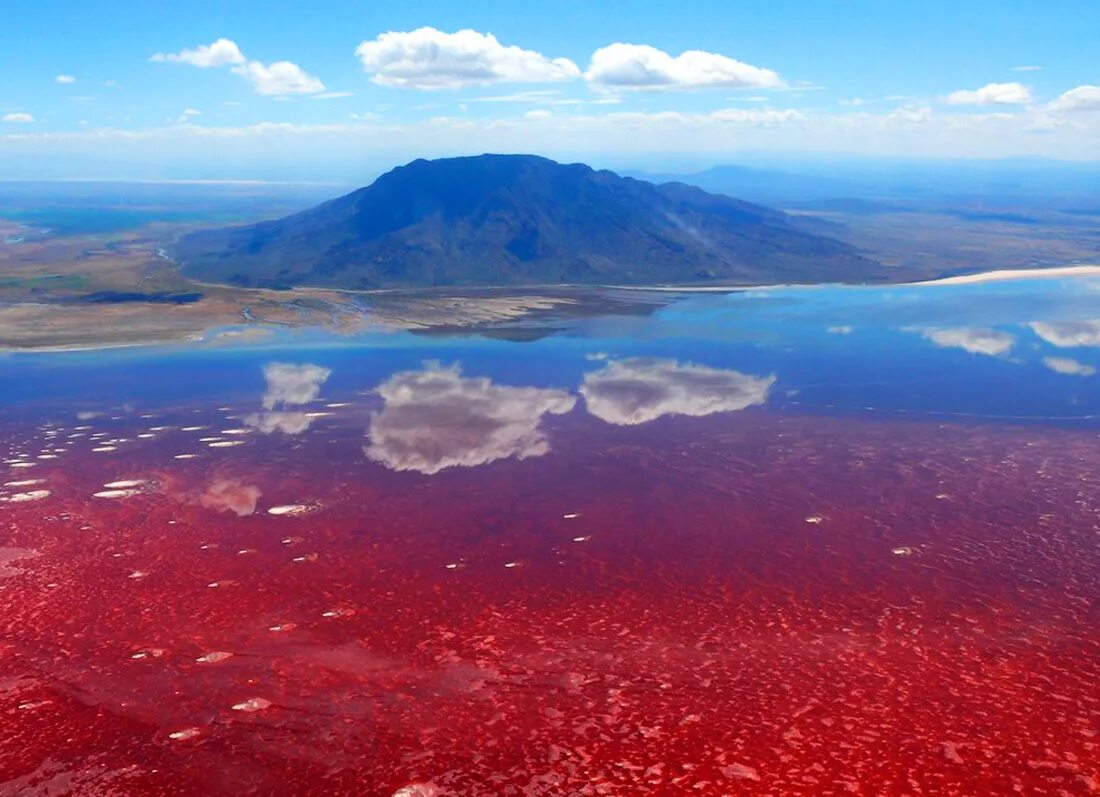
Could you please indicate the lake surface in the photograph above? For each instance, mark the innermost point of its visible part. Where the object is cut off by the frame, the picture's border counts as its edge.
(796, 540)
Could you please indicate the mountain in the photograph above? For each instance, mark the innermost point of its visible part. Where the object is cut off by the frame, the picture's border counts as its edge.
(516, 220)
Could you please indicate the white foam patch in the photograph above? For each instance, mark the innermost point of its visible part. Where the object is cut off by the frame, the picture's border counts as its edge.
(33, 495)
(116, 493)
(418, 790)
(252, 704)
(214, 657)
(184, 734)
(288, 509)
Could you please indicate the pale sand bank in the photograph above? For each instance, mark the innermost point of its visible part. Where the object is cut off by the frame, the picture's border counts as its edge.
(1015, 274)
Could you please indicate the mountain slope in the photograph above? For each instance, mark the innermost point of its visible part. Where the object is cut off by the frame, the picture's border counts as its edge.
(520, 219)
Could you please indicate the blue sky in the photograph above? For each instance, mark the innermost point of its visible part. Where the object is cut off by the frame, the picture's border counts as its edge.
(288, 90)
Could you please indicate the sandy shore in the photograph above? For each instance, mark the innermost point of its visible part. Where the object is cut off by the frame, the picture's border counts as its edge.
(1015, 274)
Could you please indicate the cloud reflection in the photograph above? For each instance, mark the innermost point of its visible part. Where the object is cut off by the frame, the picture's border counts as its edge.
(230, 495)
(976, 340)
(293, 384)
(435, 418)
(1068, 334)
(641, 389)
(1068, 366)
(287, 385)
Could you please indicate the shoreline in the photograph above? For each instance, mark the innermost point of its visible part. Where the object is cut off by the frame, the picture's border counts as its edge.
(530, 294)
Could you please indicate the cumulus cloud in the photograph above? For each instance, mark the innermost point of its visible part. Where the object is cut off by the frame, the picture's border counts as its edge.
(65, 79)
(223, 52)
(18, 117)
(639, 66)
(229, 495)
(428, 58)
(1082, 98)
(1068, 366)
(971, 339)
(641, 389)
(278, 79)
(436, 418)
(1068, 334)
(992, 94)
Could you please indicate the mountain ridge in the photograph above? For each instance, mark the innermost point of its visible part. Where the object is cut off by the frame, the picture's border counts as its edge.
(516, 220)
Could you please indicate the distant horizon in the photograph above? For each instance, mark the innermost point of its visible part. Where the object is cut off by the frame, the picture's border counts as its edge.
(824, 165)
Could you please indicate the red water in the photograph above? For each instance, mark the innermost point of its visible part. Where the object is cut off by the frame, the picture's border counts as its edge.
(689, 632)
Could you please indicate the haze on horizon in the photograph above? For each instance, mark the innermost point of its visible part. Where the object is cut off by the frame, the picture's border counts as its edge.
(213, 92)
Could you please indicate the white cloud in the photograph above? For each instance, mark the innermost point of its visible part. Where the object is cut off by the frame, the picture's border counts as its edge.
(639, 66)
(435, 418)
(333, 95)
(1068, 334)
(1068, 366)
(427, 58)
(754, 117)
(641, 389)
(842, 329)
(971, 339)
(223, 52)
(992, 94)
(1026, 68)
(1082, 98)
(279, 79)
(906, 131)
(65, 79)
(18, 117)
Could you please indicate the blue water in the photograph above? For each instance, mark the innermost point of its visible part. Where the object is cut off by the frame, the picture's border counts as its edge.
(1023, 351)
